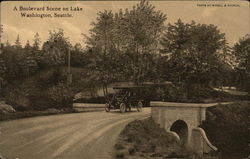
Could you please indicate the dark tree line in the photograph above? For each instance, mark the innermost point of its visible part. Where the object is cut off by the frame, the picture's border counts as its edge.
(19, 62)
(34, 72)
(241, 50)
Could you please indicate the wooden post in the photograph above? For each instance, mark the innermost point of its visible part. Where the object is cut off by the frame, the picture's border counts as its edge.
(69, 80)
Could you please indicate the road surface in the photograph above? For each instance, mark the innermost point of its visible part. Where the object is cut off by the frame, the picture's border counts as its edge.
(69, 136)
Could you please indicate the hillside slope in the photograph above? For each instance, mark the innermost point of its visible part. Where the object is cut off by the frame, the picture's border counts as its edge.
(227, 127)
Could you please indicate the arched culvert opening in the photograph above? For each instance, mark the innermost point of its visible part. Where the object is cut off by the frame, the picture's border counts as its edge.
(181, 128)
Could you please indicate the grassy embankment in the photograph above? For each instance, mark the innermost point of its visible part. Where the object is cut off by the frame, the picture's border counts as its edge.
(144, 139)
(227, 126)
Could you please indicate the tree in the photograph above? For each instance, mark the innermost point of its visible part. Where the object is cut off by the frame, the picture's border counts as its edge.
(55, 49)
(1, 32)
(78, 47)
(101, 36)
(241, 51)
(36, 41)
(30, 59)
(27, 45)
(17, 42)
(37, 59)
(7, 44)
(78, 56)
(101, 44)
(2, 63)
(145, 26)
(10, 55)
(195, 52)
(3, 70)
(125, 43)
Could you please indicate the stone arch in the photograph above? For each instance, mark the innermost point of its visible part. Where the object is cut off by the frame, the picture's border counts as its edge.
(181, 128)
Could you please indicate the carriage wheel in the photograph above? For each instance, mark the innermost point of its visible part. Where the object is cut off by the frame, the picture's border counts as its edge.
(139, 106)
(122, 107)
(107, 107)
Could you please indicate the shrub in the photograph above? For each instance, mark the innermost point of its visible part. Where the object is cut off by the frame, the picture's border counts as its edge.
(171, 93)
(91, 100)
(40, 100)
(147, 132)
(50, 77)
(131, 150)
(120, 155)
(119, 146)
(18, 98)
(227, 127)
(194, 93)
(61, 96)
(146, 139)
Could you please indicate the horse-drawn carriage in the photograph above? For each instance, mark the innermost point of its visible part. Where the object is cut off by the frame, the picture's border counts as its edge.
(124, 98)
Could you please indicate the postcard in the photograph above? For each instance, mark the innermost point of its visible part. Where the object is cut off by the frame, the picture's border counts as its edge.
(124, 79)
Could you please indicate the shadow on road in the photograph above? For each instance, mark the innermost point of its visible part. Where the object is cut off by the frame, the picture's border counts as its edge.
(118, 111)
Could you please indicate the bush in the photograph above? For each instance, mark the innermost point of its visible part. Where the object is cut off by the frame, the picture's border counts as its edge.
(61, 96)
(120, 155)
(227, 127)
(40, 100)
(146, 139)
(147, 132)
(18, 98)
(192, 93)
(44, 90)
(171, 93)
(175, 93)
(91, 100)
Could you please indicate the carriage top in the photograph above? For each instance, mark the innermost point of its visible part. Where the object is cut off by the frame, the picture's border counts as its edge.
(125, 98)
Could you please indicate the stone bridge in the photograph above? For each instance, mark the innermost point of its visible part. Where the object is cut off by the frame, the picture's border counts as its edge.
(183, 121)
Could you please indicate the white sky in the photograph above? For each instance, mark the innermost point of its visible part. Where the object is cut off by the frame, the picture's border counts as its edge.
(234, 21)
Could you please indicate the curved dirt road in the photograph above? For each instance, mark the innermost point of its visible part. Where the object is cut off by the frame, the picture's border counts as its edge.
(70, 136)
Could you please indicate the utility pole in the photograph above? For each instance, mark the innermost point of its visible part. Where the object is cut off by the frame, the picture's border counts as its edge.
(69, 75)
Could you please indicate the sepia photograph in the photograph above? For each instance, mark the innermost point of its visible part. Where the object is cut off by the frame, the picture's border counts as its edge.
(114, 79)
